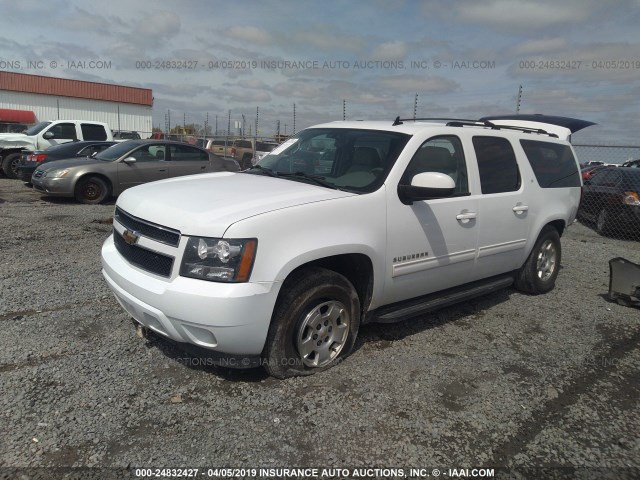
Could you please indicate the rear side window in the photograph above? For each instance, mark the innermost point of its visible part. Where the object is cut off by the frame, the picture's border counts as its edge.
(93, 132)
(497, 165)
(553, 164)
(184, 154)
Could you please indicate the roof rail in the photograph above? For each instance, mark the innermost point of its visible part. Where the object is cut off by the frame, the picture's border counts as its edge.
(461, 122)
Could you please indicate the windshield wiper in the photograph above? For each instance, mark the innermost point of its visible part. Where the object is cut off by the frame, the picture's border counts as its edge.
(318, 179)
(268, 171)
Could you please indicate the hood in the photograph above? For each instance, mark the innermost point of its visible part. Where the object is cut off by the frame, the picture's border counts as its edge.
(207, 204)
(70, 162)
(17, 140)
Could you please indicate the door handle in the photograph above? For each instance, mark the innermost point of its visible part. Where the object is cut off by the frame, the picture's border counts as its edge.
(520, 208)
(466, 216)
(203, 167)
(162, 170)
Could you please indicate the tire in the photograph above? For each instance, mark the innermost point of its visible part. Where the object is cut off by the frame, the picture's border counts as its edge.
(246, 161)
(539, 272)
(314, 324)
(10, 165)
(91, 190)
(603, 223)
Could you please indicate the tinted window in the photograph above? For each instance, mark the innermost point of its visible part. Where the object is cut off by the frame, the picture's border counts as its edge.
(553, 164)
(91, 149)
(64, 130)
(440, 154)
(93, 132)
(497, 165)
(149, 153)
(184, 153)
(243, 144)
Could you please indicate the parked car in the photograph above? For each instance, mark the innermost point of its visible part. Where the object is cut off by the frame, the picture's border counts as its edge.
(32, 160)
(125, 165)
(345, 223)
(611, 200)
(262, 149)
(589, 171)
(122, 135)
(219, 147)
(632, 163)
(45, 134)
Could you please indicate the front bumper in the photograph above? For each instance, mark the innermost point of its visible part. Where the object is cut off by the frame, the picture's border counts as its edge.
(231, 319)
(58, 187)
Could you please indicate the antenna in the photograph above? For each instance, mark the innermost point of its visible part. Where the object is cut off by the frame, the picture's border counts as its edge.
(415, 107)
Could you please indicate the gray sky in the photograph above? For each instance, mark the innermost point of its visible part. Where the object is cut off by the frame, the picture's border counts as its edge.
(577, 58)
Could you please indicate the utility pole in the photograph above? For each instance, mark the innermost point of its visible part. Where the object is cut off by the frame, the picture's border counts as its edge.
(278, 129)
(519, 99)
(294, 119)
(257, 117)
(229, 125)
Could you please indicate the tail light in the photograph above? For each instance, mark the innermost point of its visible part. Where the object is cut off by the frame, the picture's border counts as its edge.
(631, 198)
(36, 157)
(233, 151)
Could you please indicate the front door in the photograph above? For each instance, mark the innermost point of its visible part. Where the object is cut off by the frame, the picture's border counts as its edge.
(148, 167)
(432, 243)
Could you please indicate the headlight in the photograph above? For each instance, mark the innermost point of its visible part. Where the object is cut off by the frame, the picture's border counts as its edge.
(219, 260)
(58, 173)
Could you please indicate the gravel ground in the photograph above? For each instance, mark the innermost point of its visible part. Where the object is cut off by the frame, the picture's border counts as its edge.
(508, 380)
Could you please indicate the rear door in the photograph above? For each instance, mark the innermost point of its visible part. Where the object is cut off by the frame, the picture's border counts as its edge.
(503, 206)
(186, 160)
(150, 165)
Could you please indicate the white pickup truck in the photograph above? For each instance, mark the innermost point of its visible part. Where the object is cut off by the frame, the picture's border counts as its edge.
(45, 134)
(343, 224)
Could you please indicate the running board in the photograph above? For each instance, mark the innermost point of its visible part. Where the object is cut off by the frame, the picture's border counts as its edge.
(407, 309)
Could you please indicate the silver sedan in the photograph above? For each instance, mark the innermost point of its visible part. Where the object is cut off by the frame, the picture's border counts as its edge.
(125, 165)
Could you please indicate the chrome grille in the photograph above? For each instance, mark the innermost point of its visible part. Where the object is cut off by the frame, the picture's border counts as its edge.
(145, 259)
(165, 235)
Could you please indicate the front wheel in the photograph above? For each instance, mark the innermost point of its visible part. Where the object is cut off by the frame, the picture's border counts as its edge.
(314, 324)
(539, 273)
(10, 165)
(91, 190)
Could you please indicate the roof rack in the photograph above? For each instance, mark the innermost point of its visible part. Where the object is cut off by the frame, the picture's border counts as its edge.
(461, 122)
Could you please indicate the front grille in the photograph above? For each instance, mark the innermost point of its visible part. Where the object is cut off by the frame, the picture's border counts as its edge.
(162, 234)
(141, 257)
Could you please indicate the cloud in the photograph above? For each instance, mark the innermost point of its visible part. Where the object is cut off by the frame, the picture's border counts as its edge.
(419, 84)
(537, 46)
(157, 26)
(249, 34)
(390, 51)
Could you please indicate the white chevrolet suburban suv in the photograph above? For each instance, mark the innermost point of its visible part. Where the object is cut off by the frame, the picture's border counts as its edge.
(343, 224)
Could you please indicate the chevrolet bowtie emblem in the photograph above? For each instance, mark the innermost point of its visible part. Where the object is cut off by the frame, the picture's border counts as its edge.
(130, 237)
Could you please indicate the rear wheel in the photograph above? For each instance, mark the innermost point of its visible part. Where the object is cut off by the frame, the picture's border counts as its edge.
(539, 273)
(10, 165)
(91, 190)
(603, 222)
(314, 324)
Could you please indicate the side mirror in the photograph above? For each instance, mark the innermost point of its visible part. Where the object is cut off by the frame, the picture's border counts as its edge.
(48, 135)
(129, 160)
(426, 186)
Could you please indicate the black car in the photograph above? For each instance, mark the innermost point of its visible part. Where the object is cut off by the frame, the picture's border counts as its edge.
(32, 160)
(611, 200)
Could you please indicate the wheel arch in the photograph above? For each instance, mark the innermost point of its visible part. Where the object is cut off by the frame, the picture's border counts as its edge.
(355, 267)
(101, 176)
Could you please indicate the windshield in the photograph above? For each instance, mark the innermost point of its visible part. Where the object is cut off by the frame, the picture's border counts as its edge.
(116, 151)
(350, 159)
(37, 128)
